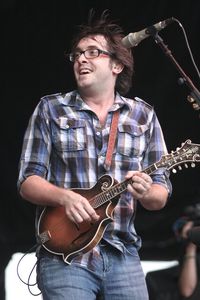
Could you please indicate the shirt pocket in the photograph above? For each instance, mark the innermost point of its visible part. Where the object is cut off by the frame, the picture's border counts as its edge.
(69, 134)
(132, 139)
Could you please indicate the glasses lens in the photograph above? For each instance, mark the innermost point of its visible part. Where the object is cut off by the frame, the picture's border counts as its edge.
(91, 53)
(74, 56)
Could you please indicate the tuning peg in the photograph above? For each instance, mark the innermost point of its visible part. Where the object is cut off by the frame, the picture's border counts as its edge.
(174, 171)
(186, 166)
(196, 106)
(193, 165)
(179, 167)
(190, 99)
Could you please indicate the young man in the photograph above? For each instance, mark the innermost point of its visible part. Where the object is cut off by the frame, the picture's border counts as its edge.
(64, 149)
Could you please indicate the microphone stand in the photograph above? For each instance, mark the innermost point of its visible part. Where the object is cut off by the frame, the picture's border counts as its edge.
(194, 96)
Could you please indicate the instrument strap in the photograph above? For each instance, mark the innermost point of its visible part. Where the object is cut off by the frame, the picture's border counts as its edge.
(112, 138)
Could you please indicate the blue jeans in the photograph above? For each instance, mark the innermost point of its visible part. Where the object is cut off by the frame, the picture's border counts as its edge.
(116, 276)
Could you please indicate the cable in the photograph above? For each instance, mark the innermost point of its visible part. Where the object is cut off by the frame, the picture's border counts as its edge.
(31, 272)
(188, 46)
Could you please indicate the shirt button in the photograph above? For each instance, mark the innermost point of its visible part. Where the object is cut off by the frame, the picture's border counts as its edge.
(98, 133)
(67, 126)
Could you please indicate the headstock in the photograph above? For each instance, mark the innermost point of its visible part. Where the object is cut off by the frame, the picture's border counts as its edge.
(189, 152)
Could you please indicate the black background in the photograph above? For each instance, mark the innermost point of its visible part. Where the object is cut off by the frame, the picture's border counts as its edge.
(34, 36)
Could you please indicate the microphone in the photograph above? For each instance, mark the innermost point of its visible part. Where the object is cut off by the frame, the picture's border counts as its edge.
(133, 39)
(194, 235)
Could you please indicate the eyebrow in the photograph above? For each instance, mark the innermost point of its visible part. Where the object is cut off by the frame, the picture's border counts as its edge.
(89, 47)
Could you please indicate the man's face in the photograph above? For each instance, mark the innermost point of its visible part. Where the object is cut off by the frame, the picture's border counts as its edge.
(94, 73)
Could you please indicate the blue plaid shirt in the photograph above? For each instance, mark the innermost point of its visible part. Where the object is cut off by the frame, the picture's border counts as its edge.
(66, 144)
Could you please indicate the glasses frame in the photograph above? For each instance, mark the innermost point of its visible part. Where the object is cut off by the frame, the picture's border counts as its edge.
(72, 57)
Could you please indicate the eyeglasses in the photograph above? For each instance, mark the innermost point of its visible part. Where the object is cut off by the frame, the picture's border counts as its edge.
(89, 53)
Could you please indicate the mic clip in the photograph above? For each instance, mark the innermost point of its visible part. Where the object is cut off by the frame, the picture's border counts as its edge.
(151, 30)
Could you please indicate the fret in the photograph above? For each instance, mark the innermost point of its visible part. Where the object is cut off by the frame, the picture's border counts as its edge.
(108, 195)
(151, 169)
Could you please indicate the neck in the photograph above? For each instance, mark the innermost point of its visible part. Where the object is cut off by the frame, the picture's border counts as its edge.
(99, 99)
(100, 104)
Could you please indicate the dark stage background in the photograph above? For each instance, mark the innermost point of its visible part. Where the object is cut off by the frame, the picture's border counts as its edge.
(34, 37)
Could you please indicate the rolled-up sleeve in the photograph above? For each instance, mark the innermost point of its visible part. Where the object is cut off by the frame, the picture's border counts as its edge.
(36, 146)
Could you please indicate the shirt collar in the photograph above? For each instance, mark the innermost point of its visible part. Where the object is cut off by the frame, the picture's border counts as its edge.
(74, 99)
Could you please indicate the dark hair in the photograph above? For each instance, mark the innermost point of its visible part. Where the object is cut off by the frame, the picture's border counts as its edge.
(113, 33)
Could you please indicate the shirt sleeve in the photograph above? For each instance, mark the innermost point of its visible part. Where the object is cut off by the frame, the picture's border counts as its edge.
(36, 146)
(156, 149)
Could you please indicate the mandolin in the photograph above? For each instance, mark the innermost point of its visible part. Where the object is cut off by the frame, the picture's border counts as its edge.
(59, 235)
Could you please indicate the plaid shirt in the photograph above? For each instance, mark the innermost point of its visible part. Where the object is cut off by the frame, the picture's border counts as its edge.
(66, 144)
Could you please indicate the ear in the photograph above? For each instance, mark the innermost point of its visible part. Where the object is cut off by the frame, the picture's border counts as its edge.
(117, 67)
